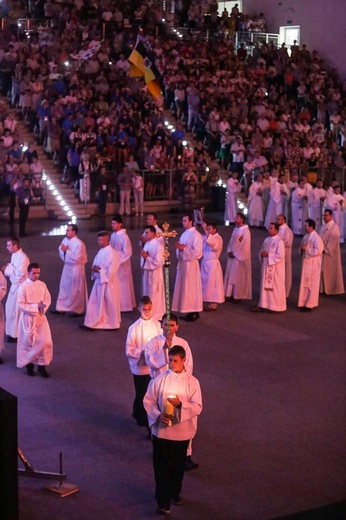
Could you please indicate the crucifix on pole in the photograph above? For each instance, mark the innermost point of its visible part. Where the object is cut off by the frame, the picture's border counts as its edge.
(166, 235)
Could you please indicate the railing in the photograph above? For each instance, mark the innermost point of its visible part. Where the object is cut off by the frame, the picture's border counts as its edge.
(250, 38)
(328, 175)
(159, 185)
(24, 25)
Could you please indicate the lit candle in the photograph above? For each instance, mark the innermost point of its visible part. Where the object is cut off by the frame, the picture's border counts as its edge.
(169, 409)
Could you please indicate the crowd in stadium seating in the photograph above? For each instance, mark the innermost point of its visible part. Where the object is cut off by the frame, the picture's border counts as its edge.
(272, 108)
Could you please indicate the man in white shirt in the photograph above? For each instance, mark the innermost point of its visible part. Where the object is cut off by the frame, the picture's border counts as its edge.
(211, 271)
(73, 295)
(34, 337)
(287, 237)
(187, 295)
(103, 309)
(233, 187)
(122, 246)
(299, 208)
(153, 283)
(152, 221)
(256, 202)
(272, 258)
(317, 198)
(17, 271)
(238, 150)
(158, 347)
(173, 401)
(139, 333)
(249, 168)
(312, 250)
(238, 280)
(332, 281)
(336, 202)
(279, 195)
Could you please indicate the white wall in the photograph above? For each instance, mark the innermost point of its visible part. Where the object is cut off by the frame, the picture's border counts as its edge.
(322, 24)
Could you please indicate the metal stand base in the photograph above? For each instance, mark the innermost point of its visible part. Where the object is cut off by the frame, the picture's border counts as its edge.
(61, 488)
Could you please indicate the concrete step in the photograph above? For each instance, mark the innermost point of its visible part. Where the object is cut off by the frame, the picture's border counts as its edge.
(52, 207)
(59, 211)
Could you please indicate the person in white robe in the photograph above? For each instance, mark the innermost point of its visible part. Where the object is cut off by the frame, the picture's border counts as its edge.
(121, 243)
(317, 198)
(332, 281)
(158, 347)
(233, 187)
(187, 295)
(173, 402)
(35, 345)
(3, 290)
(292, 184)
(312, 250)
(287, 236)
(279, 195)
(73, 293)
(272, 258)
(238, 274)
(156, 357)
(267, 182)
(103, 309)
(85, 169)
(17, 271)
(153, 283)
(211, 271)
(152, 221)
(336, 202)
(138, 335)
(256, 203)
(308, 189)
(299, 208)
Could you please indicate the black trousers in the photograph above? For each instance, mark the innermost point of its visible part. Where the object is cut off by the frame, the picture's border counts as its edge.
(23, 217)
(169, 463)
(12, 205)
(139, 413)
(102, 202)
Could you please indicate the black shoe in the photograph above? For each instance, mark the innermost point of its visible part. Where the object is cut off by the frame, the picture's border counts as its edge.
(192, 316)
(1, 361)
(162, 511)
(30, 369)
(57, 312)
(177, 499)
(305, 309)
(42, 371)
(9, 339)
(190, 465)
(76, 315)
(88, 329)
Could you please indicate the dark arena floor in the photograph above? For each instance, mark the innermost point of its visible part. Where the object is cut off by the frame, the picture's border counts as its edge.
(271, 439)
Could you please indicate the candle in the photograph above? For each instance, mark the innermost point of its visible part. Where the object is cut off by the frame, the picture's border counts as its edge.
(169, 409)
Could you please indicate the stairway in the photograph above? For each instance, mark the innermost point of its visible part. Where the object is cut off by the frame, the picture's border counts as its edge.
(54, 210)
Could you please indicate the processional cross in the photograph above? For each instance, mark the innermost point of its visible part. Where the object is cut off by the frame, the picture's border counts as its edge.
(166, 236)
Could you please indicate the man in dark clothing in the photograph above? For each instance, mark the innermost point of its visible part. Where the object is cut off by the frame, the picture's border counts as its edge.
(23, 196)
